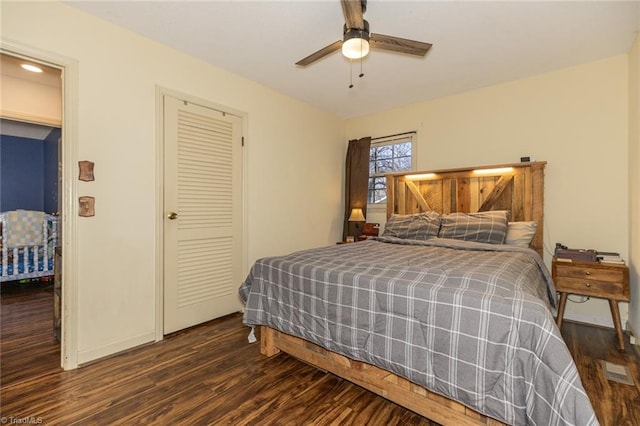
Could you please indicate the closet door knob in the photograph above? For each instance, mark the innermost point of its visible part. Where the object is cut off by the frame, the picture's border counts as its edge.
(172, 215)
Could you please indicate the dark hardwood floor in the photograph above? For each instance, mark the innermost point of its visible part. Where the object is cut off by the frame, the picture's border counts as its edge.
(209, 374)
(28, 348)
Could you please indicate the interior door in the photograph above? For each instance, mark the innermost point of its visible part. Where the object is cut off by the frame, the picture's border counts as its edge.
(202, 204)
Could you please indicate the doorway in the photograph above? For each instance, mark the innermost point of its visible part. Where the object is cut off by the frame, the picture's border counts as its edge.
(30, 181)
(68, 157)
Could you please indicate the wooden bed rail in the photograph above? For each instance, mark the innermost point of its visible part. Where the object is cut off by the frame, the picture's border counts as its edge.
(381, 382)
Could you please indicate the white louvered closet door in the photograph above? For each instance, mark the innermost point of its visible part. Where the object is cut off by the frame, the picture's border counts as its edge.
(202, 225)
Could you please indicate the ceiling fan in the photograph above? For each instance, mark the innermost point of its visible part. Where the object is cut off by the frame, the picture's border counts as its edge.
(357, 39)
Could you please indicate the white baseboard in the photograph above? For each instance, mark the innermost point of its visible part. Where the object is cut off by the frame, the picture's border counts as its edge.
(114, 348)
(634, 338)
(602, 321)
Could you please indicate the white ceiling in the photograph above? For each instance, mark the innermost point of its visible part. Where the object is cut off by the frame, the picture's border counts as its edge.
(475, 43)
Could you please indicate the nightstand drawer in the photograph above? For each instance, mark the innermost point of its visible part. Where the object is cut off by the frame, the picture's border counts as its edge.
(590, 273)
(591, 287)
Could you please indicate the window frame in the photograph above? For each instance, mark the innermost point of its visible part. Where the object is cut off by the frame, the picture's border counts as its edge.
(384, 141)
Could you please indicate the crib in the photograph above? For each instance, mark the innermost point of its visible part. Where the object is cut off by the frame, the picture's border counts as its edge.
(28, 241)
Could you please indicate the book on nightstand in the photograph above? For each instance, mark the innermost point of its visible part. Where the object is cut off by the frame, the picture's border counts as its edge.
(610, 257)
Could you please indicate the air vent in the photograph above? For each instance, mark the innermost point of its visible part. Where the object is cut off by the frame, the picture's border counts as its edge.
(617, 373)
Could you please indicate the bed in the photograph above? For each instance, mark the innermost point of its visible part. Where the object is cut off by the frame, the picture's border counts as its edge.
(437, 314)
(28, 241)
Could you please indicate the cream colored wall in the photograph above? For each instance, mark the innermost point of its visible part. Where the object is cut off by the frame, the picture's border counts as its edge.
(575, 119)
(634, 185)
(291, 205)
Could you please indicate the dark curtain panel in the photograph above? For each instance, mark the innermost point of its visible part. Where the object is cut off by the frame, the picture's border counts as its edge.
(356, 182)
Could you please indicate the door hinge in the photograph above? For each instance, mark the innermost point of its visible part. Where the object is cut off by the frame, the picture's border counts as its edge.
(243, 141)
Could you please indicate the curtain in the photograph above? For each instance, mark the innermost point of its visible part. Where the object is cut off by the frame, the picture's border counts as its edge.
(356, 182)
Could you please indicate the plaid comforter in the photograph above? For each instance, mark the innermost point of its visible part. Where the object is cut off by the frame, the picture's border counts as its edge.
(470, 321)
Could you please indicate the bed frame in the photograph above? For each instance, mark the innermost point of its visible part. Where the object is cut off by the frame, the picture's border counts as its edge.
(516, 187)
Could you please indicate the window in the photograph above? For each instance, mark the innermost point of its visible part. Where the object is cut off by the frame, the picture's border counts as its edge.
(387, 155)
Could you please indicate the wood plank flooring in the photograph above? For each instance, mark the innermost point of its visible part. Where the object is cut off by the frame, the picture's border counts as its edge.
(27, 344)
(209, 374)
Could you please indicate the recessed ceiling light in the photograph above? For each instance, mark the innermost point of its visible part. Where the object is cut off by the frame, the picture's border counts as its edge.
(31, 68)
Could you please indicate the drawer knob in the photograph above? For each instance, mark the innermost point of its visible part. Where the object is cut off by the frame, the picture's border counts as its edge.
(588, 284)
(587, 273)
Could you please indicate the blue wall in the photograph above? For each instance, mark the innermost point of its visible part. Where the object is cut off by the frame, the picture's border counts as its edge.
(51, 171)
(28, 173)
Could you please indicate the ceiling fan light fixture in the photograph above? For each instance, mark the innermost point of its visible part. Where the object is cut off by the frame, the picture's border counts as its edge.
(355, 48)
(355, 44)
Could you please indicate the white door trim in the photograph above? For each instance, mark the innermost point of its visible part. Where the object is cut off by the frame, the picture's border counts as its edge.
(70, 102)
(161, 92)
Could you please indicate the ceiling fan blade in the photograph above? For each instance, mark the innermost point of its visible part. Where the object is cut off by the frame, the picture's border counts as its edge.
(320, 53)
(397, 44)
(353, 11)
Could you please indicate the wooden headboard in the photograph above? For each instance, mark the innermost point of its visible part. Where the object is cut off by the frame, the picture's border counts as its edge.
(517, 187)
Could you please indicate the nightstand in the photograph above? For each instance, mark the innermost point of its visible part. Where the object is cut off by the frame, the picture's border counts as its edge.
(360, 238)
(603, 280)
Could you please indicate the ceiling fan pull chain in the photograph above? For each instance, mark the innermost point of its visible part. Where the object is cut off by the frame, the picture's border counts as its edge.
(361, 73)
(351, 74)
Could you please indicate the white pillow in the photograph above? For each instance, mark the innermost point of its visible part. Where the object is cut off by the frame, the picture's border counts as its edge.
(520, 233)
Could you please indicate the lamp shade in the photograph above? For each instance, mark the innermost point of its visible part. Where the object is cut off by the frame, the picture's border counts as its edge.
(356, 216)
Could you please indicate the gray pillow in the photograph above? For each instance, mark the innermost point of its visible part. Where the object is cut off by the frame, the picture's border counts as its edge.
(482, 227)
(420, 226)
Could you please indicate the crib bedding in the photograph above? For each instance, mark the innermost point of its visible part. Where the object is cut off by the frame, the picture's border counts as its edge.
(470, 321)
(32, 269)
(27, 240)
(24, 228)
